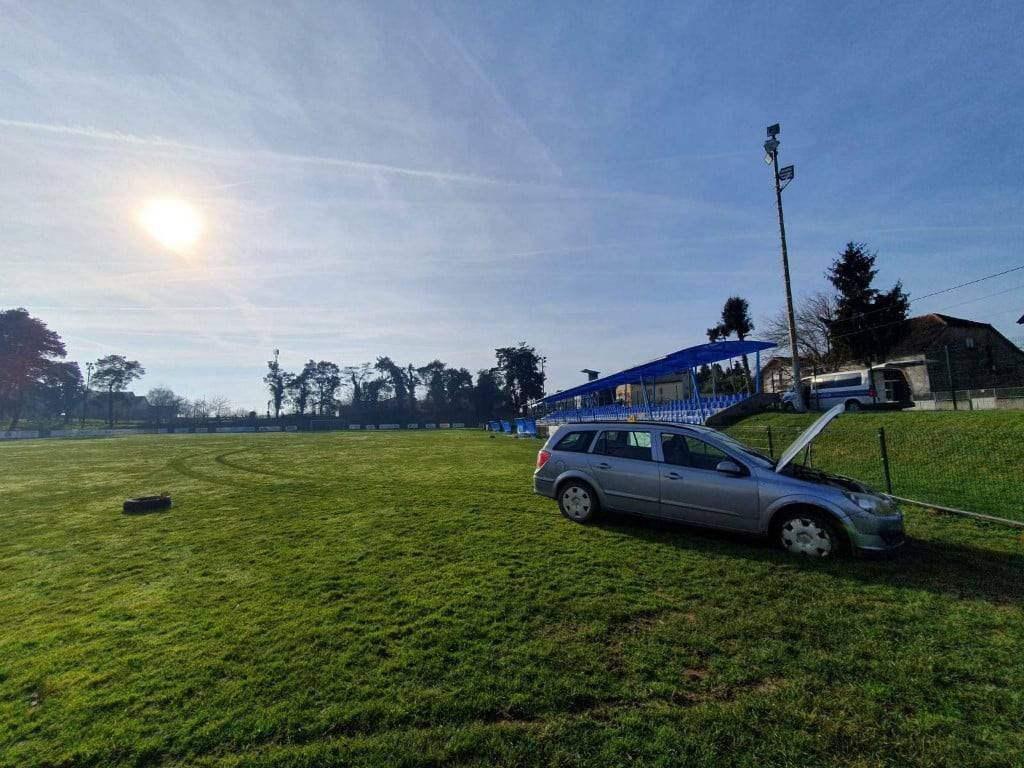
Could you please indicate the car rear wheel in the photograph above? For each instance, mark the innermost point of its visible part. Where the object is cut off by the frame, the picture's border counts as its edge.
(578, 502)
(852, 406)
(809, 533)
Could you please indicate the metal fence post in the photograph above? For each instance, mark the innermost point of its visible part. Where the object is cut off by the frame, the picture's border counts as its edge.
(771, 446)
(885, 460)
(949, 376)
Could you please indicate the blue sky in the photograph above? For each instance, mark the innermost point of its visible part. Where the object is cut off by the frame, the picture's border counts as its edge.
(433, 180)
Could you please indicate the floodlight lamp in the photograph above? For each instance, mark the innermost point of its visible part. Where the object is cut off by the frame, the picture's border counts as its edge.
(773, 131)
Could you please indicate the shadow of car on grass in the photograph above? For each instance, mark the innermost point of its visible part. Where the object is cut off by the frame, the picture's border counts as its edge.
(942, 567)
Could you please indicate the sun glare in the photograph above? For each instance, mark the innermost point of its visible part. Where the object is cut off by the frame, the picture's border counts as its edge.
(172, 222)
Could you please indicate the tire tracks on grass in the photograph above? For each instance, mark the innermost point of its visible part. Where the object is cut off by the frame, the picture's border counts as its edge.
(180, 466)
(222, 459)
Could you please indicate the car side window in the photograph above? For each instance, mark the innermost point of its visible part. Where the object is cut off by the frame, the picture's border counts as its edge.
(625, 444)
(675, 450)
(704, 455)
(576, 442)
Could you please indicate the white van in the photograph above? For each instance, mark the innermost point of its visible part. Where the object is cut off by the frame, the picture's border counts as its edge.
(880, 387)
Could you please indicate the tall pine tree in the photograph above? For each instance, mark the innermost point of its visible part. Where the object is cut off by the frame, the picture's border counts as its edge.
(867, 322)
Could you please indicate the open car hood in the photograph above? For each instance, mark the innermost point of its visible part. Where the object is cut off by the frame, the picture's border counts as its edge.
(807, 436)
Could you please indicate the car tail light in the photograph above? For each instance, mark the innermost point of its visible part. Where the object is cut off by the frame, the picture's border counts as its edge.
(872, 393)
(542, 458)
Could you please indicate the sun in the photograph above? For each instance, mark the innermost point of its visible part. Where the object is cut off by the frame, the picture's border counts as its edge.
(174, 223)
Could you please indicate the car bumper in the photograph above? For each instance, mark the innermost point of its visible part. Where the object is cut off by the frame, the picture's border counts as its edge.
(544, 486)
(876, 534)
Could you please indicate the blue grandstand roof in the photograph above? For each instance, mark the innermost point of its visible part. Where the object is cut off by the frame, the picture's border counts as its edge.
(683, 360)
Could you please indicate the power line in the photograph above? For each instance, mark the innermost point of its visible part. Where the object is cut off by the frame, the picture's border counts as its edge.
(970, 282)
(950, 306)
(980, 298)
(936, 293)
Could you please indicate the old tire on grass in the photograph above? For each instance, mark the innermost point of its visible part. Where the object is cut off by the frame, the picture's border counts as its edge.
(147, 503)
(578, 501)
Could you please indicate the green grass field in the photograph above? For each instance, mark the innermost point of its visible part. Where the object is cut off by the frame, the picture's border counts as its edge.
(403, 599)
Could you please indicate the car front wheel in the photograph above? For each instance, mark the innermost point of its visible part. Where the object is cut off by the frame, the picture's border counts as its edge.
(578, 502)
(808, 533)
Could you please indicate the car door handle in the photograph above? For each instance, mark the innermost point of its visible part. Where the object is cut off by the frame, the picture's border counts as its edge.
(674, 476)
(604, 465)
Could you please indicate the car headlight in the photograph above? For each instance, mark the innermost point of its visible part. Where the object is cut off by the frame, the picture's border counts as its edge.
(876, 505)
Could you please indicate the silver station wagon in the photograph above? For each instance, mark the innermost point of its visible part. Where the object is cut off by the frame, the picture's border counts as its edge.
(701, 476)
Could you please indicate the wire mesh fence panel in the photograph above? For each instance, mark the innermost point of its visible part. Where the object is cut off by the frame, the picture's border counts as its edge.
(769, 440)
(959, 470)
(980, 469)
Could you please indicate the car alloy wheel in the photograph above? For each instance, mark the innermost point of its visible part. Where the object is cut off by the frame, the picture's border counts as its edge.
(806, 536)
(577, 503)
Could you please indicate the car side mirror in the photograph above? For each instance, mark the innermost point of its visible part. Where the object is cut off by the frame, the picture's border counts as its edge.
(729, 468)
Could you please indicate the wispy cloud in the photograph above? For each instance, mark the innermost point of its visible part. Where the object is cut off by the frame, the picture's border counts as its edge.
(95, 134)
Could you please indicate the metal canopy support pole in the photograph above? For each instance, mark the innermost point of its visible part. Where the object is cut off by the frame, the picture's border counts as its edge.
(696, 394)
(647, 405)
(757, 371)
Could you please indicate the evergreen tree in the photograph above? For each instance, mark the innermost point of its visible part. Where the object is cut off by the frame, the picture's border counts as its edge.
(736, 319)
(867, 322)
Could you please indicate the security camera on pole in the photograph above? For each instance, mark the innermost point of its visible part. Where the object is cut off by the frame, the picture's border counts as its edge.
(771, 148)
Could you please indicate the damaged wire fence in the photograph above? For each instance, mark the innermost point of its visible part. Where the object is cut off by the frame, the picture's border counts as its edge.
(952, 473)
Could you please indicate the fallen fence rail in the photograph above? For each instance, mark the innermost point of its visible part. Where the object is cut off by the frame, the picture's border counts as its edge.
(961, 512)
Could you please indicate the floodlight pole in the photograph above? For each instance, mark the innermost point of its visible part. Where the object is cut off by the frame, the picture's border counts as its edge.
(771, 146)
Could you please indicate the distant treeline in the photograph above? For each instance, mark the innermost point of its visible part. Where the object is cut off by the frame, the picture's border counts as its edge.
(385, 391)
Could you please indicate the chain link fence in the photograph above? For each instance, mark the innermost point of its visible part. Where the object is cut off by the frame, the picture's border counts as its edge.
(978, 470)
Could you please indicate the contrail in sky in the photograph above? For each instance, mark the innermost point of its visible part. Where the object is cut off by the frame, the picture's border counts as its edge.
(144, 141)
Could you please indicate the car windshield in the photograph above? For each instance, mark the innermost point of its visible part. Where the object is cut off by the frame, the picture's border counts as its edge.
(746, 450)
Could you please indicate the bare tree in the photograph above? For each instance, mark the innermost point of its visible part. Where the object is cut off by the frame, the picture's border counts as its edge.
(813, 314)
(164, 397)
(218, 406)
